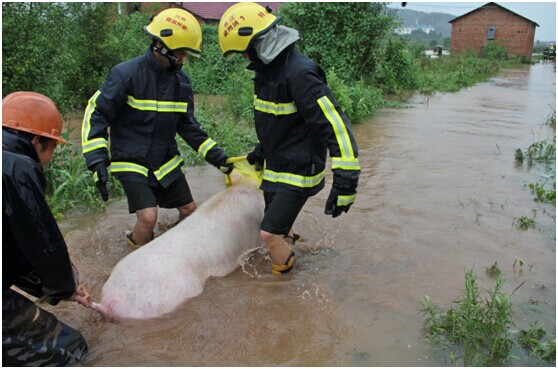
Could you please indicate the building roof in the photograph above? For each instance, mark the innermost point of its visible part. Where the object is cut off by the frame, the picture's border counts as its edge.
(491, 5)
(214, 11)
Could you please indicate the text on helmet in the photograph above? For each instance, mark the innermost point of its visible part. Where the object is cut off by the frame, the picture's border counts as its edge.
(177, 22)
(232, 23)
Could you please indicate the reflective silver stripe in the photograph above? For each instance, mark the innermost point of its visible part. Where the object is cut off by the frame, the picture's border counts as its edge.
(98, 143)
(123, 166)
(293, 179)
(86, 144)
(168, 167)
(206, 146)
(274, 108)
(345, 163)
(345, 200)
(339, 128)
(158, 106)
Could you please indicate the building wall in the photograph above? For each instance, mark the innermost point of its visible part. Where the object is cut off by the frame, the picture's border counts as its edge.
(515, 33)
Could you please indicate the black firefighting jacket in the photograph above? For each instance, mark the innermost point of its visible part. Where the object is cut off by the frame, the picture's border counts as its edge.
(145, 104)
(34, 254)
(297, 120)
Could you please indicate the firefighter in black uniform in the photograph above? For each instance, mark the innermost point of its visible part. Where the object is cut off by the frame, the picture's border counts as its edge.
(145, 102)
(34, 254)
(297, 121)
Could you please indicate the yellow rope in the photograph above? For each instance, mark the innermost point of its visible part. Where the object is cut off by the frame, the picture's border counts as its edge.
(228, 180)
(235, 159)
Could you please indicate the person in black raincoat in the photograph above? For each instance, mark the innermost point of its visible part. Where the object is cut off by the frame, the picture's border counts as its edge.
(35, 257)
(146, 101)
(297, 122)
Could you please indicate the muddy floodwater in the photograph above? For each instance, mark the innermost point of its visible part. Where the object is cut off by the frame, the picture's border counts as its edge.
(438, 195)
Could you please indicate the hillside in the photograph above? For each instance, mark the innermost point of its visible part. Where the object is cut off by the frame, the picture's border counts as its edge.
(437, 20)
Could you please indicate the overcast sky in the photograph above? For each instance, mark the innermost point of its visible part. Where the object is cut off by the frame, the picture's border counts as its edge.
(542, 13)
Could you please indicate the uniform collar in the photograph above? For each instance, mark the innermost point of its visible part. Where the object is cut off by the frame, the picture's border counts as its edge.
(156, 64)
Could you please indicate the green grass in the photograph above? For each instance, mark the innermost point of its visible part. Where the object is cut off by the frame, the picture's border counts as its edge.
(477, 330)
(70, 184)
(525, 223)
(532, 340)
(234, 134)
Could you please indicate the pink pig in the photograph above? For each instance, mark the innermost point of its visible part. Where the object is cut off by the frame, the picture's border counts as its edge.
(171, 269)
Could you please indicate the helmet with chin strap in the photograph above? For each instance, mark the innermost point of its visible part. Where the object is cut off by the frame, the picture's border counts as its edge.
(177, 30)
(241, 24)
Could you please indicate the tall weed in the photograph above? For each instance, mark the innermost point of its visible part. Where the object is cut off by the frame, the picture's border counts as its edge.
(70, 184)
(477, 330)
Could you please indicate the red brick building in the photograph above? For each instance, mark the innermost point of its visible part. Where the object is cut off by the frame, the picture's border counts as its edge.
(211, 12)
(204, 12)
(493, 23)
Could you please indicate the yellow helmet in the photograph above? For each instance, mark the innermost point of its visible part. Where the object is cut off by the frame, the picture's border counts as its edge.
(177, 29)
(242, 23)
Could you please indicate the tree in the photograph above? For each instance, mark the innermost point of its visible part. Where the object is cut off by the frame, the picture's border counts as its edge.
(65, 50)
(347, 36)
(30, 35)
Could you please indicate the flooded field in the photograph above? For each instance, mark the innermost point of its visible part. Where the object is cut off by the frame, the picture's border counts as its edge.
(438, 195)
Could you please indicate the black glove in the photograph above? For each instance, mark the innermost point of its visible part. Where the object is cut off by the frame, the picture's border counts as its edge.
(101, 180)
(339, 200)
(256, 157)
(226, 168)
(223, 166)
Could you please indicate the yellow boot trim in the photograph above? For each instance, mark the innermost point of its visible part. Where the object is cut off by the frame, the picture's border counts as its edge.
(282, 269)
(131, 242)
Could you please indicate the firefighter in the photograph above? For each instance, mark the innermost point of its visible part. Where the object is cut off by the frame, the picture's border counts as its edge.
(34, 254)
(146, 101)
(297, 121)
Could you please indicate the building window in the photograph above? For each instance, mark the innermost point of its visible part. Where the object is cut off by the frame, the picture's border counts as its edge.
(491, 33)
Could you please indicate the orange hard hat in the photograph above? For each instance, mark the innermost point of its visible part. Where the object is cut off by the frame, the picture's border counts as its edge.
(32, 112)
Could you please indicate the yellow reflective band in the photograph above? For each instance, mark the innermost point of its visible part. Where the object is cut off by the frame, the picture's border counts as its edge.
(168, 167)
(123, 166)
(274, 108)
(206, 146)
(345, 200)
(158, 106)
(339, 128)
(86, 124)
(98, 143)
(293, 179)
(345, 163)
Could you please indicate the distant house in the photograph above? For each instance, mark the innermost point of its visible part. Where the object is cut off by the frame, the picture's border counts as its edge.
(409, 30)
(493, 23)
(211, 13)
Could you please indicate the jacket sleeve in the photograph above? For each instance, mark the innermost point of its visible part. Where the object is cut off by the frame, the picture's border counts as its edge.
(191, 131)
(315, 102)
(102, 110)
(38, 237)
